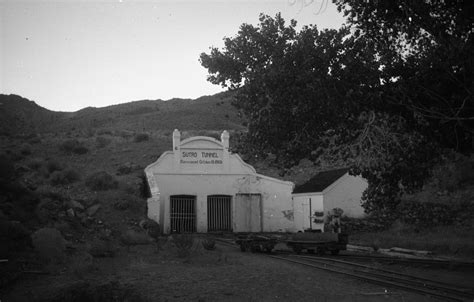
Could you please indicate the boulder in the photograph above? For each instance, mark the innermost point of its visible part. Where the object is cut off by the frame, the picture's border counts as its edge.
(75, 205)
(70, 212)
(93, 209)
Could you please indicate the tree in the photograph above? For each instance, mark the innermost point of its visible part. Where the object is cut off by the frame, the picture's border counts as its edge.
(432, 76)
(298, 89)
(362, 94)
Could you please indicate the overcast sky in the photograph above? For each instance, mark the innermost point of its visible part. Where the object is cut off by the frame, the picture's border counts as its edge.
(67, 55)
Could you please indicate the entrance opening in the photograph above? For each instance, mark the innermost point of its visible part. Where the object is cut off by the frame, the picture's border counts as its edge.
(219, 213)
(183, 213)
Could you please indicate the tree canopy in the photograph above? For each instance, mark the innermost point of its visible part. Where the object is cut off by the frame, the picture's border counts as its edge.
(385, 93)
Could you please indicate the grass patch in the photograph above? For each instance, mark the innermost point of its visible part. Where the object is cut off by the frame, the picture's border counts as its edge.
(443, 240)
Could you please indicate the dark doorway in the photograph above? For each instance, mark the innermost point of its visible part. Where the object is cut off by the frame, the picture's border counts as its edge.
(183, 213)
(219, 213)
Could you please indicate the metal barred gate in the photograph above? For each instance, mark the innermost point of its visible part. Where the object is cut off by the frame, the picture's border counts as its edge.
(183, 213)
(219, 213)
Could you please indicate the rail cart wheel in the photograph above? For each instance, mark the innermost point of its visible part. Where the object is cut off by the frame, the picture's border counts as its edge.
(310, 251)
(335, 252)
(320, 251)
(297, 249)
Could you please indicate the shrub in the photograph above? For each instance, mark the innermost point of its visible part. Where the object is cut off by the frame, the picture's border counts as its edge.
(152, 228)
(184, 244)
(102, 141)
(102, 248)
(65, 177)
(209, 244)
(35, 163)
(53, 165)
(132, 237)
(49, 243)
(101, 181)
(48, 209)
(141, 137)
(34, 140)
(124, 169)
(7, 170)
(14, 238)
(25, 149)
(73, 146)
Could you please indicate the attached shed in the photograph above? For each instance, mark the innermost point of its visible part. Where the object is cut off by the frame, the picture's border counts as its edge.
(200, 186)
(325, 191)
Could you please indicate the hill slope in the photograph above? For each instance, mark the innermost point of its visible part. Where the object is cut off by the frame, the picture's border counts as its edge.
(21, 116)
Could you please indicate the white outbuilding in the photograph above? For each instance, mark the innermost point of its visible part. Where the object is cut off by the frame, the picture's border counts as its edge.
(324, 192)
(200, 186)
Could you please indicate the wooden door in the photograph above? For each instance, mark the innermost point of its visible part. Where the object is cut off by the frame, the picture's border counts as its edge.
(248, 213)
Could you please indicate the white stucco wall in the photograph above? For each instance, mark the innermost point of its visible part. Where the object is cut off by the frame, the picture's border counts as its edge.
(346, 193)
(202, 166)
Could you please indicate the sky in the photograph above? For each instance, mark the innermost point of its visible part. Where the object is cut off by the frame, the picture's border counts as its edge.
(68, 55)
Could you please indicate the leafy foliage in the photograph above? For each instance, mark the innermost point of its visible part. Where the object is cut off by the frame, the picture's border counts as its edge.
(383, 95)
(428, 68)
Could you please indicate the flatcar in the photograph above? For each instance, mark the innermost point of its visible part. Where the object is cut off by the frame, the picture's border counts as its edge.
(319, 243)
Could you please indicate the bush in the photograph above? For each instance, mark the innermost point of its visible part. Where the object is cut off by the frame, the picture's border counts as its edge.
(25, 149)
(53, 165)
(14, 238)
(152, 228)
(132, 237)
(7, 170)
(126, 201)
(102, 141)
(65, 177)
(124, 169)
(102, 248)
(73, 146)
(141, 137)
(50, 244)
(184, 244)
(48, 209)
(209, 244)
(34, 163)
(101, 181)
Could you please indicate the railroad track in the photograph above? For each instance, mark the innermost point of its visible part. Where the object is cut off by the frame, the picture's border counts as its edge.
(434, 262)
(378, 276)
(383, 277)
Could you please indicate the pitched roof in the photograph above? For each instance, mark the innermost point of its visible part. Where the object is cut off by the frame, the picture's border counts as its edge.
(320, 181)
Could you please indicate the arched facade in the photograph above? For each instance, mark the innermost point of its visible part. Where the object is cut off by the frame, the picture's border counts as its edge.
(201, 187)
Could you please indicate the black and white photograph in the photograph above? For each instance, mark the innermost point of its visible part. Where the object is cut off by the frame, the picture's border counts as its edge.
(213, 150)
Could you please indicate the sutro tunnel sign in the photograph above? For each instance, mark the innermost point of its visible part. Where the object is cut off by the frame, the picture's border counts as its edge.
(200, 157)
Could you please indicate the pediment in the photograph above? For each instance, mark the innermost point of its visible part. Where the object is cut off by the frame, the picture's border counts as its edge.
(201, 142)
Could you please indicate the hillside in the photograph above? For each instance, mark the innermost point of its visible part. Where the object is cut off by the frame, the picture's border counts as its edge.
(21, 116)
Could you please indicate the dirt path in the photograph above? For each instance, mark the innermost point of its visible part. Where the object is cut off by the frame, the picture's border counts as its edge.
(224, 274)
